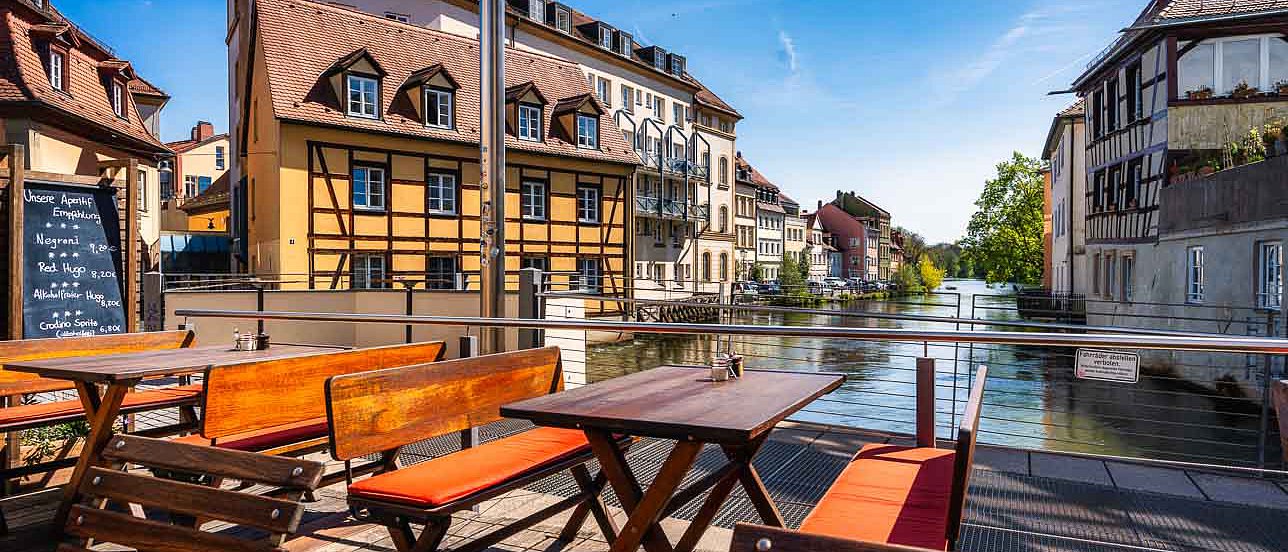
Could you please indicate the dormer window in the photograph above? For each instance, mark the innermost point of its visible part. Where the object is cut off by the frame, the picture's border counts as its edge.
(537, 10)
(625, 44)
(57, 70)
(606, 37)
(530, 122)
(118, 98)
(677, 65)
(363, 96)
(563, 19)
(438, 108)
(587, 131)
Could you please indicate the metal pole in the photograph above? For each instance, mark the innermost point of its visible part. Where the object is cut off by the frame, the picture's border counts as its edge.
(492, 170)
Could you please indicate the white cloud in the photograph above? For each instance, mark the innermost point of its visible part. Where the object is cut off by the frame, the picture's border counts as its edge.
(787, 51)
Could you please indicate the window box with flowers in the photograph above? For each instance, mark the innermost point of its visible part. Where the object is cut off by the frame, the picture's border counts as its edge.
(1281, 87)
(1200, 93)
(1243, 91)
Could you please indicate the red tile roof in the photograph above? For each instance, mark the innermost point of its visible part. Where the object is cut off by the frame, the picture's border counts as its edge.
(753, 176)
(302, 39)
(183, 146)
(24, 78)
(141, 86)
(1176, 10)
(1078, 109)
(705, 96)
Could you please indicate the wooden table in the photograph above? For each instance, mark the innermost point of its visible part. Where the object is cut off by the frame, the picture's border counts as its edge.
(119, 373)
(684, 404)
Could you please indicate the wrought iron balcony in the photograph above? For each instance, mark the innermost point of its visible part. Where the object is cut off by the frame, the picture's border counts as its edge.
(671, 209)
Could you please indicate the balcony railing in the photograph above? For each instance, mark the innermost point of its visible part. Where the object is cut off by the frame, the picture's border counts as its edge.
(674, 166)
(671, 209)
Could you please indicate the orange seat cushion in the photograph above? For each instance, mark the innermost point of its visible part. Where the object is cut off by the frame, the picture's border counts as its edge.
(889, 494)
(58, 410)
(264, 439)
(461, 474)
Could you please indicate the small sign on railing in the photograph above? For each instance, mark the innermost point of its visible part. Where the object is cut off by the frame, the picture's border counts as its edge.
(1095, 364)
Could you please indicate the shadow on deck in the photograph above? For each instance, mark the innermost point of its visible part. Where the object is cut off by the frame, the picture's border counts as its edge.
(1019, 501)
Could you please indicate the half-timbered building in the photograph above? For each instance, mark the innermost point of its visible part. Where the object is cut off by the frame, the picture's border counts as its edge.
(361, 138)
(1162, 103)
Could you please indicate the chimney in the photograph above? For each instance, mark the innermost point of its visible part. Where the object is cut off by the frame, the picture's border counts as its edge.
(820, 206)
(202, 131)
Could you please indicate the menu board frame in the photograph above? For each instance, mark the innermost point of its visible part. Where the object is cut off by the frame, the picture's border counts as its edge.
(121, 174)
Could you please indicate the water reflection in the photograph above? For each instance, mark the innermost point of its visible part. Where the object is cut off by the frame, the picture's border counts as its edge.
(1032, 401)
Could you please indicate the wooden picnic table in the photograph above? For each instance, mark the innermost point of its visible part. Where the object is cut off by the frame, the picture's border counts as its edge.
(680, 403)
(119, 373)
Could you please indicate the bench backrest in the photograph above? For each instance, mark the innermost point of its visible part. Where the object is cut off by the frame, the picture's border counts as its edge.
(964, 459)
(18, 383)
(265, 394)
(386, 409)
(190, 493)
(761, 538)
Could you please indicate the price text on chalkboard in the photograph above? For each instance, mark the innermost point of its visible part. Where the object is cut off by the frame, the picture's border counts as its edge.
(72, 262)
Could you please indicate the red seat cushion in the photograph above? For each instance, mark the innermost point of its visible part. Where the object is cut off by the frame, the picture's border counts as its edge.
(264, 439)
(889, 494)
(58, 410)
(460, 474)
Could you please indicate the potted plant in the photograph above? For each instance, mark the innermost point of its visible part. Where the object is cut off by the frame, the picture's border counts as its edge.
(1271, 136)
(1243, 91)
(1281, 87)
(1200, 93)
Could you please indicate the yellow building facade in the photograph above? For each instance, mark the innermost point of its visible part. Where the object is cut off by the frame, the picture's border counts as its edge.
(360, 165)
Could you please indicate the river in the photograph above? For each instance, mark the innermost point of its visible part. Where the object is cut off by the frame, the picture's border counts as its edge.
(1032, 398)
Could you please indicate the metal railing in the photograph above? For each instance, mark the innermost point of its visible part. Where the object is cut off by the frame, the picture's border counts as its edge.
(1036, 399)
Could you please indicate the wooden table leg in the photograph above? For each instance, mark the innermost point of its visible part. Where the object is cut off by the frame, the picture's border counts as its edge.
(101, 411)
(707, 513)
(613, 464)
(752, 484)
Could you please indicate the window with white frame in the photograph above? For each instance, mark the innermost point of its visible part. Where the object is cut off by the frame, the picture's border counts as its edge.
(606, 37)
(440, 272)
(1194, 275)
(605, 91)
(529, 122)
(678, 114)
(628, 94)
(440, 193)
(219, 158)
(189, 186)
(1270, 285)
(368, 272)
(57, 65)
(563, 19)
(368, 187)
(363, 96)
(1222, 64)
(143, 190)
(587, 204)
(587, 131)
(395, 16)
(588, 275)
(438, 108)
(118, 98)
(659, 108)
(537, 10)
(532, 199)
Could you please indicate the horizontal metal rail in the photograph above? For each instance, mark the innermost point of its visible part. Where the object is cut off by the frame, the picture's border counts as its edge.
(1213, 344)
(883, 315)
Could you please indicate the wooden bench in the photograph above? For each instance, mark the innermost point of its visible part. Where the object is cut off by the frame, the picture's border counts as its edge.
(381, 412)
(17, 417)
(278, 407)
(184, 501)
(889, 498)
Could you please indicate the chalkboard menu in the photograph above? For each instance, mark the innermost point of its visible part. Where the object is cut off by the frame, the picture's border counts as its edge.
(72, 261)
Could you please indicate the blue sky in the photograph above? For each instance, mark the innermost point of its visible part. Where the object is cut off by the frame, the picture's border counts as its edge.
(910, 104)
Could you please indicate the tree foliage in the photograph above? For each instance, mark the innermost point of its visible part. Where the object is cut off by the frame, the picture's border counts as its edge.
(1004, 237)
(789, 276)
(908, 279)
(931, 276)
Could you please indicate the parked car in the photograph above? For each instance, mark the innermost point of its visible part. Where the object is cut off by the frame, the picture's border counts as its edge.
(815, 287)
(771, 287)
(834, 284)
(746, 288)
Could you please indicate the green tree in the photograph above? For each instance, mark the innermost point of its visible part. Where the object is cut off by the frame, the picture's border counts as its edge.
(757, 272)
(931, 276)
(1004, 236)
(907, 278)
(790, 274)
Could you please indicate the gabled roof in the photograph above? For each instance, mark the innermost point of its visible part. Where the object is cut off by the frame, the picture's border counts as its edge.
(343, 64)
(215, 198)
(575, 103)
(301, 40)
(704, 96)
(753, 176)
(142, 87)
(184, 146)
(87, 110)
(1159, 14)
(518, 91)
(423, 76)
